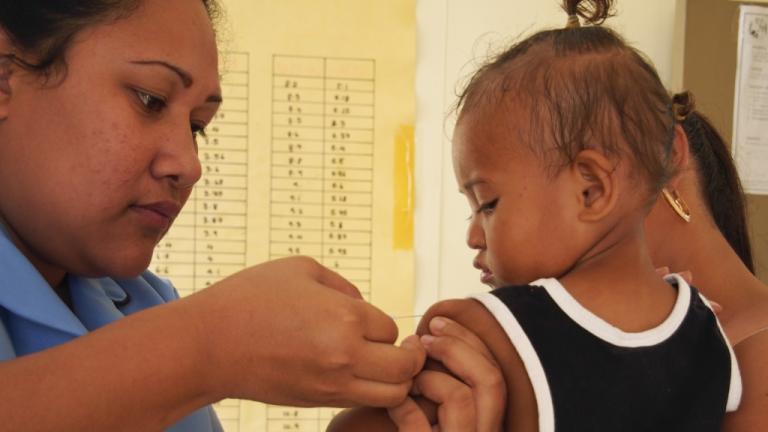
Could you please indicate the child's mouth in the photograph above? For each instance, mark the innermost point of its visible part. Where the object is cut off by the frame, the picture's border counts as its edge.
(486, 277)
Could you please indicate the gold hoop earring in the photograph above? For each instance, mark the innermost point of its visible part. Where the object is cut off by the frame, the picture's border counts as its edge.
(677, 204)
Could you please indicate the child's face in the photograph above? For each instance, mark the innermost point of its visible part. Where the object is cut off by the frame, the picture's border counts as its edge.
(521, 215)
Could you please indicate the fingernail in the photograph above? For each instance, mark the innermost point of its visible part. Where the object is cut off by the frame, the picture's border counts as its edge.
(437, 323)
(427, 340)
(409, 341)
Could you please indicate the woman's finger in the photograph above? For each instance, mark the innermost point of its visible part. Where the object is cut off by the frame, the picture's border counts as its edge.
(390, 364)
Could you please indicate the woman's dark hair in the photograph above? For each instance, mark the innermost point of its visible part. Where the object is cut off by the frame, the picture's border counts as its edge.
(583, 87)
(717, 176)
(45, 29)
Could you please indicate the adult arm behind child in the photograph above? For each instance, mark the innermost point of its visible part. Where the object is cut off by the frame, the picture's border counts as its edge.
(751, 415)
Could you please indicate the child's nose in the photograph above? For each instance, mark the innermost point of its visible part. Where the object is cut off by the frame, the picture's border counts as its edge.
(475, 235)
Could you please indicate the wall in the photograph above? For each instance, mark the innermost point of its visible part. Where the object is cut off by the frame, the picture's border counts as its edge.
(711, 40)
(453, 36)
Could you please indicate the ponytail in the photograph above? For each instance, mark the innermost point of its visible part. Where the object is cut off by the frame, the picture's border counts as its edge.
(594, 12)
(717, 176)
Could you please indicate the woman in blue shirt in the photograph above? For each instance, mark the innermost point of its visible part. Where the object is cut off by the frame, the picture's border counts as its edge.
(100, 104)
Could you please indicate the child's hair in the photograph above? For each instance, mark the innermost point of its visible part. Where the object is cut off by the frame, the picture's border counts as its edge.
(583, 87)
(717, 176)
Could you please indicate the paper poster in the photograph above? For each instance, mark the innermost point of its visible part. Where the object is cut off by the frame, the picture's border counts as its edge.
(750, 121)
(310, 154)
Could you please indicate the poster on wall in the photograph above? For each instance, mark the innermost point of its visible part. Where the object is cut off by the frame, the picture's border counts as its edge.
(750, 118)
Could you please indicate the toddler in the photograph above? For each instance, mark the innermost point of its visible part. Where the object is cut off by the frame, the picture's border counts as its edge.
(562, 145)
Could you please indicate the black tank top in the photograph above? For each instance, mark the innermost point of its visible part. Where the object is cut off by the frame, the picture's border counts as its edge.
(590, 376)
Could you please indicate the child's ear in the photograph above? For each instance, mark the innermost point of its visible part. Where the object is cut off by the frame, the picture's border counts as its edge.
(680, 156)
(596, 185)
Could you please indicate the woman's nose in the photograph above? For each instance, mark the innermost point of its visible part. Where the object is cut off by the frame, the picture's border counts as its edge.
(177, 159)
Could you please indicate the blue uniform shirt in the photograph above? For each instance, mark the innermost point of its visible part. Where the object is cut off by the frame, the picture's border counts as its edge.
(33, 317)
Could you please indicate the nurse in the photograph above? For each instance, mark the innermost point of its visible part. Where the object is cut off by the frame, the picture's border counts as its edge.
(100, 105)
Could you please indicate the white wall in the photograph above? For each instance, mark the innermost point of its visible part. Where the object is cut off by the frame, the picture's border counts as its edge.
(454, 35)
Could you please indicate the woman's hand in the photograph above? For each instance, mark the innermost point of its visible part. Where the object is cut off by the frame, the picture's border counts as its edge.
(688, 277)
(292, 332)
(469, 390)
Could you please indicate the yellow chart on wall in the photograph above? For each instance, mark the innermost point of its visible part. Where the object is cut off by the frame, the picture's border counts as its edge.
(310, 154)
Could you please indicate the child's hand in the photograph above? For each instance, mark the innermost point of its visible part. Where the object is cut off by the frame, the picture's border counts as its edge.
(410, 417)
(455, 405)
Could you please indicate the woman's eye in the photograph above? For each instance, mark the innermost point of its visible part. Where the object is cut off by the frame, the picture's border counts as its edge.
(488, 207)
(151, 102)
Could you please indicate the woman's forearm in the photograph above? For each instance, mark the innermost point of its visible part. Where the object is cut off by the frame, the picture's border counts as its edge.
(130, 375)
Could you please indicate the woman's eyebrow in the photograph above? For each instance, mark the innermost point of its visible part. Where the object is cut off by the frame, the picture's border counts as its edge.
(184, 76)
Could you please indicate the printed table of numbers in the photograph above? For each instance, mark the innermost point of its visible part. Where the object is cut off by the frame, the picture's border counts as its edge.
(322, 163)
(322, 179)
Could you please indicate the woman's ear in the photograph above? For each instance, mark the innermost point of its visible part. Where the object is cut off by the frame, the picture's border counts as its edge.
(680, 156)
(596, 185)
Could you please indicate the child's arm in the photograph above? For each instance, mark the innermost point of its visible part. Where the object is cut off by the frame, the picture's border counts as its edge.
(520, 414)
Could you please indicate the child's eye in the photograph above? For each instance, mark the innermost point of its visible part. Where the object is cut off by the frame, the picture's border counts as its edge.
(488, 207)
(150, 102)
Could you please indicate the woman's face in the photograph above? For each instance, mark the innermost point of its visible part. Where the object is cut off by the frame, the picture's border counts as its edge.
(95, 166)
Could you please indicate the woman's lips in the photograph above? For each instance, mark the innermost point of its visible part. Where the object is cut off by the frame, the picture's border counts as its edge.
(158, 215)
